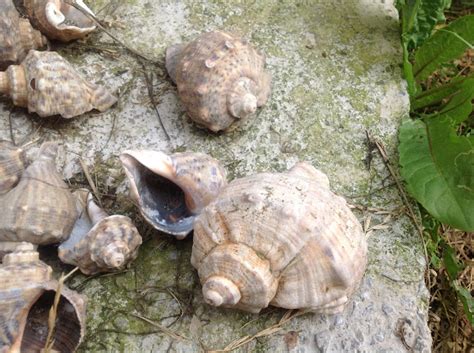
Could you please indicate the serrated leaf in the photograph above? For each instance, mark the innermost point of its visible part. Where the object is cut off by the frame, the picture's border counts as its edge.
(438, 168)
(446, 44)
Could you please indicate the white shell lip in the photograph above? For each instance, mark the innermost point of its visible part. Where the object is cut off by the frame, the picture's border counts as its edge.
(56, 17)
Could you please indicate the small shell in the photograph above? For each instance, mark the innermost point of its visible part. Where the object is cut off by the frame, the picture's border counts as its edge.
(12, 165)
(26, 295)
(40, 209)
(98, 242)
(17, 36)
(282, 239)
(220, 78)
(58, 20)
(171, 190)
(47, 84)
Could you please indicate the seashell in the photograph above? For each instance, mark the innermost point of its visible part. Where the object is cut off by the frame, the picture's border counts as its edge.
(17, 36)
(26, 296)
(47, 84)
(40, 209)
(281, 239)
(220, 78)
(171, 190)
(58, 20)
(12, 165)
(98, 242)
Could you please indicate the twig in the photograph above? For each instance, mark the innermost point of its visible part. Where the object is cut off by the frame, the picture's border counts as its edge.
(90, 181)
(161, 327)
(12, 136)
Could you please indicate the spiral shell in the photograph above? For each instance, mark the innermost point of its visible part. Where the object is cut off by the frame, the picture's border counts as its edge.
(17, 36)
(12, 165)
(171, 190)
(26, 295)
(58, 20)
(282, 239)
(220, 78)
(98, 242)
(40, 209)
(47, 84)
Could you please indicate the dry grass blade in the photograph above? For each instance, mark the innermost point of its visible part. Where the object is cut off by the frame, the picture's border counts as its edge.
(53, 312)
(287, 317)
(162, 328)
(90, 181)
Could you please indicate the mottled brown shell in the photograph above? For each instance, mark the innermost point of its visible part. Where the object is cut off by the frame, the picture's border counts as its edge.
(12, 165)
(281, 239)
(26, 296)
(17, 36)
(58, 20)
(98, 242)
(40, 209)
(220, 78)
(48, 85)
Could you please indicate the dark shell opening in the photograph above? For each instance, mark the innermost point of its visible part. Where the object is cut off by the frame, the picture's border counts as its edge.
(163, 202)
(74, 17)
(67, 334)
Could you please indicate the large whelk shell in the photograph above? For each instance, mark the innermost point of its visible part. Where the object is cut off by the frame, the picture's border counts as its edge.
(220, 78)
(40, 209)
(58, 20)
(98, 242)
(282, 239)
(47, 84)
(12, 165)
(26, 296)
(171, 190)
(17, 36)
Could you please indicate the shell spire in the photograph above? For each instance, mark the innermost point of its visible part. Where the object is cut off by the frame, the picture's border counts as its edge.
(40, 209)
(48, 85)
(170, 190)
(59, 20)
(99, 242)
(17, 36)
(220, 78)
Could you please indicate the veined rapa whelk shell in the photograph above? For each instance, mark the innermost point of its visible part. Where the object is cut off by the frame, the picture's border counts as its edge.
(170, 190)
(220, 78)
(12, 165)
(281, 239)
(26, 295)
(99, 242)
(17, 36)
(40, 209)
(48, 85)
(58, 20)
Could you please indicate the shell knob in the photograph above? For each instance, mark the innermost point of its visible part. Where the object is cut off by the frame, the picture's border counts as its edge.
(219, 291)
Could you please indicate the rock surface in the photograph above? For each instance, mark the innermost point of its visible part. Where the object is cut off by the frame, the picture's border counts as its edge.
(336, 75)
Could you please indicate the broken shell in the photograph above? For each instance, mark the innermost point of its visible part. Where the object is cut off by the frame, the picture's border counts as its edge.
(98, 242)
(58, 20)
(47, 84)
(40, 209)
(17, 36)
(171, 190)
(12, 165)
(26, 296)
(220, 78)
(281, 239)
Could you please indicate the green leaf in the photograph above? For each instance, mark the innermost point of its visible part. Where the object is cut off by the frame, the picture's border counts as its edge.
(438, 168)
(445, 45)
(453, 267)
(467, 301)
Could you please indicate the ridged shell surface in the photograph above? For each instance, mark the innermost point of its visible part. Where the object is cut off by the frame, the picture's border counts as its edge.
(220, 78)
(58, 20)
(26, 295)
(48, 85)
(12, 165)
(282, 239)
(40, 209)
(17, 36)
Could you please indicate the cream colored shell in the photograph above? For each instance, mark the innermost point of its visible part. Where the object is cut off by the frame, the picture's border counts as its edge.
(40, 209)
(99, 242)
(17, 36)
(281, 239)
(48, 85)
(12, 165)
(58, 20)
(26, 295)
(220, 78)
